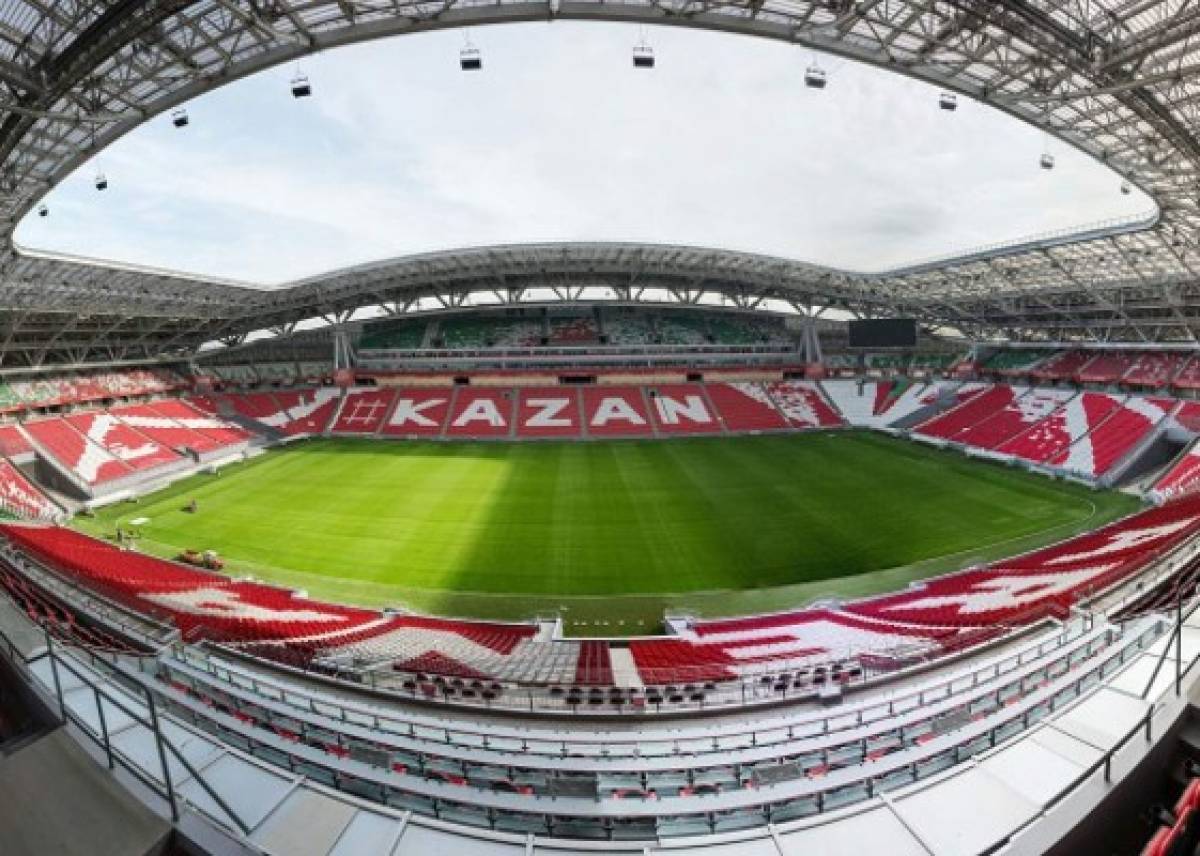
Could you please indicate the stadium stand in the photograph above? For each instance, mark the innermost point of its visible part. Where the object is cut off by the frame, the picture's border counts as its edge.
(1154, 369)
(1182, 477)
(199, 421)
(969, 412)
(628, 328)
(238, 375)
(1127, 424)
(473, 333)
(572, 330)
(13, 442)
(1015, 363)
(856, 400)
(682, 409)
(803, 405)
(680, 328)
(400, 336)
(1106, 368)
(1188, 376)
(180, 431)
(1063, 365)
(1018, 416)
(479, 412)
(553, 412)
(131, 447)
(363, 410)
(74, 453)
(421, 412)
(20, 498)
(616, 411)
(745, 407)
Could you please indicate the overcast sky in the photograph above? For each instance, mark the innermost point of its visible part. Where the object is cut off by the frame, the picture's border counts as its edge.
(559, 138)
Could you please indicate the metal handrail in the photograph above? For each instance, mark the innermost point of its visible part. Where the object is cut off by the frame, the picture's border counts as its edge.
(104, 739)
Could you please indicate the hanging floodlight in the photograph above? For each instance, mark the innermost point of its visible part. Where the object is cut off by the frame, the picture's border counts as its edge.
(301, 88)
(814, 77)
(470, 58)
(101, 181)
(1126, 189)
(180, 118)
(43, 211)
(643, 53)
(948, 101)
(1047, 160)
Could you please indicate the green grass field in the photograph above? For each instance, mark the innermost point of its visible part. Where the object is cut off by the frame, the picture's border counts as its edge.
(610, 532)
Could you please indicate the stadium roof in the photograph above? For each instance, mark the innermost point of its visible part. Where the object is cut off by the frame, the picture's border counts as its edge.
(1116, 79)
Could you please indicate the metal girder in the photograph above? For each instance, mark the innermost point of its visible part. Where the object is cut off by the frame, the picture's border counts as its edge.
(1116, 79)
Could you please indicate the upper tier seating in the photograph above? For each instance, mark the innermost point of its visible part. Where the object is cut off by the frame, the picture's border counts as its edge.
(314, 372)
(276, 372)
(1188, 376)
(1015, 362)
(81, 388)
(363, 410)
(1106, 368)
(1153, 369)
(74, 452)
(1187, 416)
(236, 374)
(19, 497)
(803, 404)
(739, 330)
(680, 328)
(935, 361)
(625, 328)
(573, 331)
(403, 336)
(1062, 366)
(682, 409)
(745, 407)
(472, 333)
(888, 363)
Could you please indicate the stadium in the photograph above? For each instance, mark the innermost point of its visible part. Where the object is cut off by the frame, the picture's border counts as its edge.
(599, 546)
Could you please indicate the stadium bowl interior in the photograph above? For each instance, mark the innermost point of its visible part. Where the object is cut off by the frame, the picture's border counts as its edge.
(698, 551)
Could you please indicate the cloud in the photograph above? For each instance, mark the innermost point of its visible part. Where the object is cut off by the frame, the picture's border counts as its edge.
(559, 138)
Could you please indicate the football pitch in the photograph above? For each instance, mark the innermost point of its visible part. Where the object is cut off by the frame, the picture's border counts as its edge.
(608, 534)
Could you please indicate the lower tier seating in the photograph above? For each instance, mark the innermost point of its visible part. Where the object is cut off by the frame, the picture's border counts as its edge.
(20, 498)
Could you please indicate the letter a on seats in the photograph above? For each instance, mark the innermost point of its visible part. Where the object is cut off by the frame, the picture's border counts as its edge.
(480, 410)
(408, 411)
(615, 409)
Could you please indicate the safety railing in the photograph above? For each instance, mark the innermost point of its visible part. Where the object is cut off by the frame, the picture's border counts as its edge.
(163, 788)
